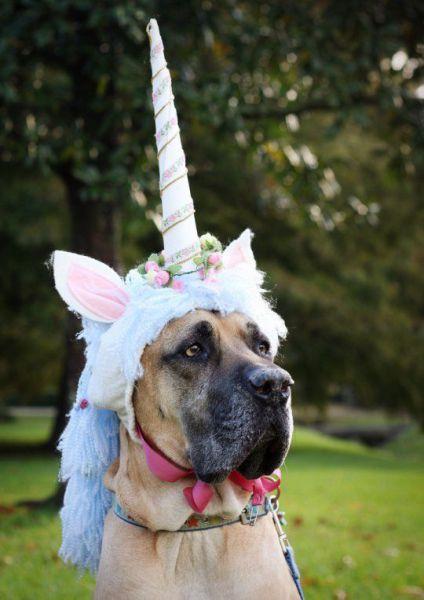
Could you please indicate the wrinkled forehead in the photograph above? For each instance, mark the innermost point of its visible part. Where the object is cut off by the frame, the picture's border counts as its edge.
(201, 323)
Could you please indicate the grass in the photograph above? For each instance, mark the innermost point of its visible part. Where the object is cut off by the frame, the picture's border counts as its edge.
(29, 430)
(355, 520)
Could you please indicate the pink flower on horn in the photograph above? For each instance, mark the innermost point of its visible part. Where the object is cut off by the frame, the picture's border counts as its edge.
(178, 285)
(162, 278)
(215, 258)
(151, 266)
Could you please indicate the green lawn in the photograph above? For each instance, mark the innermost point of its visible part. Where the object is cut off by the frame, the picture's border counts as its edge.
(29, 430)
(355, 520)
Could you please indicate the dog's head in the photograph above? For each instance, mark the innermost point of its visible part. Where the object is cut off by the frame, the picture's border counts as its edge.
(211, 384)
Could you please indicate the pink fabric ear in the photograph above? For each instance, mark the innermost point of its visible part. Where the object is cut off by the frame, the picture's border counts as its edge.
(235, 256)
(239, 252)
(96, 293)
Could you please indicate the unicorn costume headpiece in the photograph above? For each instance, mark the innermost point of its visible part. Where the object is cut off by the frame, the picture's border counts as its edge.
(122, 316)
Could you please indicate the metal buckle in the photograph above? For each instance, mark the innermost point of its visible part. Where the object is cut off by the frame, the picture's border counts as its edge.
(249, 516)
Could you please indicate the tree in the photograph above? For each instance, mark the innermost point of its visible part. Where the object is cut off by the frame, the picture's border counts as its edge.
(269, 94)
(71, 97)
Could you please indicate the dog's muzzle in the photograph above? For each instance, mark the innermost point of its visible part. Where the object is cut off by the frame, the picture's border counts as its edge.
(268, 384)
(249, 426)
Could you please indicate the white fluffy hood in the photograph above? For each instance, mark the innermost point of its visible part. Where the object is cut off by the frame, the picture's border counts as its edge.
(137, 313)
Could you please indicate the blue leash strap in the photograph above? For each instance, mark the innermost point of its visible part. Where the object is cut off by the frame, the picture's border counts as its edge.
(294, 569)
(288, 551)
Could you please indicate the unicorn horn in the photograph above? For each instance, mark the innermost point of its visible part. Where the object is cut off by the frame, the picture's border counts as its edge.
(180, 238)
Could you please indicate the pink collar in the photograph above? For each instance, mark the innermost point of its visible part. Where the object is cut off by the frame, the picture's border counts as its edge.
(199, 495)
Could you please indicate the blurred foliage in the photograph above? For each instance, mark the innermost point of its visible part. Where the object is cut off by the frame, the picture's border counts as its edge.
(302, 120)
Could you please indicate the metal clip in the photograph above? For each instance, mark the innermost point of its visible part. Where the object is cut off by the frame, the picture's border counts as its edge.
(249, 515)
(282, 537)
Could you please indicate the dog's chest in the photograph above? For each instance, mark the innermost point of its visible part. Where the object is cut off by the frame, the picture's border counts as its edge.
(236, 561)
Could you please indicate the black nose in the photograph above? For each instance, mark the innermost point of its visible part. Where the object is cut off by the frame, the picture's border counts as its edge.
(269, 383)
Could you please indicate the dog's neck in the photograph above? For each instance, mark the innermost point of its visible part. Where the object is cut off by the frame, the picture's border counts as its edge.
(160, 505)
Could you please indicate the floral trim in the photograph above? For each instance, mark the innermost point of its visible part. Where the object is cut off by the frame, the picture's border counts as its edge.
(205, 252)
(156, 50)
(172, 170)
(166, 128)
(183, 254)
(177, 216)
(162, 87)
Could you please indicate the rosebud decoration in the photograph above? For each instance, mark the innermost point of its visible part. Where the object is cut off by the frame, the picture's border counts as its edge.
(151, 266)
(162, 278)
(215, 258)
(150, 277)
(210, 242)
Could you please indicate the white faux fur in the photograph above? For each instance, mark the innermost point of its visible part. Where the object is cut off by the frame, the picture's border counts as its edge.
(90, 443)
(118, 367)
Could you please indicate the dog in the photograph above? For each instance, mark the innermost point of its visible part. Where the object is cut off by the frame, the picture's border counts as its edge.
(211, 399)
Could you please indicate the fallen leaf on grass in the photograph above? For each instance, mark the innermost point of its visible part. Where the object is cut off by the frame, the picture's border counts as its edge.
(348, 561)
(309, 581)
(392, 552)
(411, 546)
(6, 510)
(412, 590)
(30, 546)
(297, 521)
(340, 594)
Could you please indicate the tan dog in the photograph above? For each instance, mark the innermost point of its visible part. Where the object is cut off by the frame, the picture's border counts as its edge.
(211, 399)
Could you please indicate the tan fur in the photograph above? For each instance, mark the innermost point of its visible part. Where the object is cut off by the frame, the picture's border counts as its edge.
(236, 561)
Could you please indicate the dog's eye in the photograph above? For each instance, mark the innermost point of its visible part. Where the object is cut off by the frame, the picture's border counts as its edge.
(263, 347)
(193, 350)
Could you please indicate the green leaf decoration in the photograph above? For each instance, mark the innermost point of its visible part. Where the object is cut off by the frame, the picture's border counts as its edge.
(173, 269)
(154, 258)
(210, 242)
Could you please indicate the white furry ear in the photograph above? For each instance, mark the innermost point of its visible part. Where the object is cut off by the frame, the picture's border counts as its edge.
(240, 251)
(89, 287)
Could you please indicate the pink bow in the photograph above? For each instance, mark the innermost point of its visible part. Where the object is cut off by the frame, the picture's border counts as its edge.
(199, 495)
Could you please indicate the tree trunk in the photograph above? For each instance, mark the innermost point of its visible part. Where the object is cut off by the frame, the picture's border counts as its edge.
(94, 232)
(71, 365)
